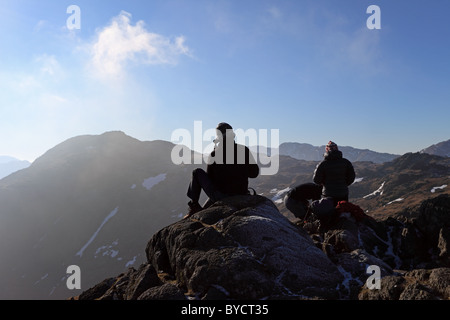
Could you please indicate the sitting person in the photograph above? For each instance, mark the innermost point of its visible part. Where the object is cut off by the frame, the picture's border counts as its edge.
(297, 199)
(226, 174)
(335, 174)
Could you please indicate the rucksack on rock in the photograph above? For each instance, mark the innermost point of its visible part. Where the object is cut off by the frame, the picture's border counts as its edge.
(353, 209)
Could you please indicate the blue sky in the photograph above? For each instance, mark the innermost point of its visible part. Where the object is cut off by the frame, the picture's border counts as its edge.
(311, 69)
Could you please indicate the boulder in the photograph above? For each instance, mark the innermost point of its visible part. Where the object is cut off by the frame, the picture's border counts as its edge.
(422, 239)
(418, 240)
(418, 284)
(167, 291)
(246, 248)
(353, 265)
(126, 286)
(239, 248)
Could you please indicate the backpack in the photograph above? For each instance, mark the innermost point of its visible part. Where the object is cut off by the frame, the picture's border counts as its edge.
(353, 209)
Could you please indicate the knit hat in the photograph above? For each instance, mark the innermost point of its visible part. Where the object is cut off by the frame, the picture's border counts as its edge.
(331, 146)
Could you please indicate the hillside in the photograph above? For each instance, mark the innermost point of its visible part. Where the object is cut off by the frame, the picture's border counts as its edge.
(439, 149)
(90, 201)
(380, 189)
(401, 184)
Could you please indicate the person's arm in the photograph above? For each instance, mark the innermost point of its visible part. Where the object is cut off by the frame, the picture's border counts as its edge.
(318, 176)
(210, 168)
(350, 173)
(252, 166)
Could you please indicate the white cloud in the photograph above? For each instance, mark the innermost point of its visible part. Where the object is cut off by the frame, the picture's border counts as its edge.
(55, 97)
(121, 43)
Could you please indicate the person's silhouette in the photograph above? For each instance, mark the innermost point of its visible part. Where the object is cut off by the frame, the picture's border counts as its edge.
(229, 167)
(335, 174)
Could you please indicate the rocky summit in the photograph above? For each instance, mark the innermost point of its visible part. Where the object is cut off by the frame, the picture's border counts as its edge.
(243, 248)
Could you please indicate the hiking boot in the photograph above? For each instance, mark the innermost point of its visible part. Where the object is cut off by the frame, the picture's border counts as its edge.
(194, 207)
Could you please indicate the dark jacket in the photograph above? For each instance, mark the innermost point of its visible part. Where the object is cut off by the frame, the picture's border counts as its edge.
(231, 177)
(335, 174)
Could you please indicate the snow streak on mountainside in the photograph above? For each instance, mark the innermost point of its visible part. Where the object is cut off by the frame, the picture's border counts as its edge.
(433, 190)
(152, 181)
(379, 191)
(112, 214)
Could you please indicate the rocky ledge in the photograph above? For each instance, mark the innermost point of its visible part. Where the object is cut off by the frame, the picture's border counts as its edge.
(244, 248)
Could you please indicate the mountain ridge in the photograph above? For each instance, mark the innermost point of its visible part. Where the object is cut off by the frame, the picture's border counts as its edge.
(439, 149)
(305, 151)
(9, 165)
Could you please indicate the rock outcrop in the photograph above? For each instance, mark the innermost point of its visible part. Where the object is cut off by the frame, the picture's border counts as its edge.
(417, 239)
(419, 284)
(243, 248)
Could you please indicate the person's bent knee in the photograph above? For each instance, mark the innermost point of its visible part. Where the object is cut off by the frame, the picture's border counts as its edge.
(296, 207)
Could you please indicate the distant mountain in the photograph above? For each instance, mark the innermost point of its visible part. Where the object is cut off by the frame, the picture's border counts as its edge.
(382, 190)
(439, 149)
(9, 165)
(305, 151)
(91, 201)
(402, 183)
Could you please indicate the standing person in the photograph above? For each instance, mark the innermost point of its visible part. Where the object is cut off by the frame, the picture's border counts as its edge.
(335, 174)
(230, 165)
